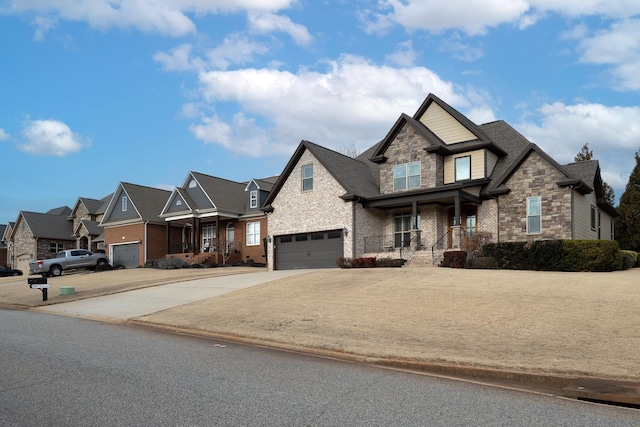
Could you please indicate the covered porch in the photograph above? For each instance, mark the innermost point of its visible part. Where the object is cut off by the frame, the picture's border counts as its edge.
(206, 240)
(424, 223)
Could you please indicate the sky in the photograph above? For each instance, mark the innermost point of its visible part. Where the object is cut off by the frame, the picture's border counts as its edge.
(98, 92)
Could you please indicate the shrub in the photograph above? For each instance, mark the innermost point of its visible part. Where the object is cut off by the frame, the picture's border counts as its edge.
(556, 255)
(454, 259)
(482, 262)
(389, 262)
(170, 263)
(344, 262)
(629, 259)
(364, 262)
(591, 255)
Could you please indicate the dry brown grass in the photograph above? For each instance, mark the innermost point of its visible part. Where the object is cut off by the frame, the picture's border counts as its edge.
(16, 291)
(541, 322)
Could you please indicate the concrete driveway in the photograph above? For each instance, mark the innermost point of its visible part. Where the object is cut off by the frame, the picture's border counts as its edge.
(140, 302)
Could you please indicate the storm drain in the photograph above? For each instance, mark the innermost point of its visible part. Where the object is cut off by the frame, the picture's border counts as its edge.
(67, 290)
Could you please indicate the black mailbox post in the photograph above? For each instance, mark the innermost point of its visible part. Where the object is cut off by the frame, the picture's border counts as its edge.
(39, 283)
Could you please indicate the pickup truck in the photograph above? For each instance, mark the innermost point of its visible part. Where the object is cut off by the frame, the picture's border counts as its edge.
(67, 260)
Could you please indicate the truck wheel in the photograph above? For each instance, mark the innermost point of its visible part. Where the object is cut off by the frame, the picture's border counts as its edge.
(55, 271)
(102, 262)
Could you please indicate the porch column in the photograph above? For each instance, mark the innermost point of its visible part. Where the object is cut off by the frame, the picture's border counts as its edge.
(414, 224)
(456, 229)
(194, 233)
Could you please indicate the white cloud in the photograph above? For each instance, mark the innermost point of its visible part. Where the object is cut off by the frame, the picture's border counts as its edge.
(353, 102)
(613, 133)
(618, 47)
(4, 135)
(168, 17)
(475, 17)
(405, 56)
(179, 59)
(270, 22)
(470, 16)
(51, 138)
(234, 50)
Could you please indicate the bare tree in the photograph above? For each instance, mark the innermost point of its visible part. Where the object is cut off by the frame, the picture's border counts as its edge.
(350, 151)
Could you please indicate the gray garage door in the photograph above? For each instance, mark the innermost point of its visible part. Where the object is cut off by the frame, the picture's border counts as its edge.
(308, 250)
(127, 256)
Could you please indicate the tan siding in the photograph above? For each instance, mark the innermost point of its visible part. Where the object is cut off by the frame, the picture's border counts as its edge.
(445, 126)
(477, 165)
(582, 218)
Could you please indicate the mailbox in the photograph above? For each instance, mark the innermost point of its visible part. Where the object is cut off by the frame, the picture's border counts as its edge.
(39, 283)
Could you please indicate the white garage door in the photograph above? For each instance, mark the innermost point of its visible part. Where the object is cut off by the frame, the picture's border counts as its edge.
(127, 255)
(308, 250)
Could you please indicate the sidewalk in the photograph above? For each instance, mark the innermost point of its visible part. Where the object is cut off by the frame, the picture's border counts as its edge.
(140, 302)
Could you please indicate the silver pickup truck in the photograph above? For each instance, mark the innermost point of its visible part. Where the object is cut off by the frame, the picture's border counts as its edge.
(67, 260)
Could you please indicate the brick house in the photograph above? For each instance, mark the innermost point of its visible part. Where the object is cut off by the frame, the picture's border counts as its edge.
(133, 229)
(39, 236)
(86, 216)
(437, 181)
(215, 220)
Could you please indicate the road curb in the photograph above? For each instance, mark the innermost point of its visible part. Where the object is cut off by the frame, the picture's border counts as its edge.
(525, 381)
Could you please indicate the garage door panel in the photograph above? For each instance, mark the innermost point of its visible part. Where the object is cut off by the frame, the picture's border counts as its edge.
(313, 250)
(127, 256)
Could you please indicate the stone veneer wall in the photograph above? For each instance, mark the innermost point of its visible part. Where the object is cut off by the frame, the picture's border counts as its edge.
(297, 211)
(405, 148)
(535, 177)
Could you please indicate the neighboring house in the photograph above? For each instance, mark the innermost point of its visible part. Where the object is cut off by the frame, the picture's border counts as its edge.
(217, 220)
(40, 236)
(437, 181)
(86, 216)
(133, 231)
(3, 245)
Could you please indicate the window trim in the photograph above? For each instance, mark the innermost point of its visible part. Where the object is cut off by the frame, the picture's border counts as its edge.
(594, 221)
(253, 199)
(406, 177)
(305, 178)
(125, 203)
(530, 215)
(455, 168)
(252, 233)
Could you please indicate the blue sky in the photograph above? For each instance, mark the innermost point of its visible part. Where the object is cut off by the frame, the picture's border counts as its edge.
(95, 92)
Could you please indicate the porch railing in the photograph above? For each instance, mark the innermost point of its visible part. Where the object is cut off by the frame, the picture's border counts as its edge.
(440, 245)
(389, 243)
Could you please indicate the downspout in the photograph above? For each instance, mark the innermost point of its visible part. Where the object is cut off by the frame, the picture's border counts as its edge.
(146, 243)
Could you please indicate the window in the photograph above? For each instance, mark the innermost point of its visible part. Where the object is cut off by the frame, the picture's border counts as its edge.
(124, 203)
(193, 183)
(208, 236)
(534, 216)
(593, 218)
(471, 223)
(253, 233)
(406, 176)
(307, 177)
(317, 236)
(302, 238)
(401, 233)
(56, 247)
(463, 168)
(253, 199)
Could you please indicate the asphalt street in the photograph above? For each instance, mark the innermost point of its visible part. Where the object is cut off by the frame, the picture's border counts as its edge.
(61, 370)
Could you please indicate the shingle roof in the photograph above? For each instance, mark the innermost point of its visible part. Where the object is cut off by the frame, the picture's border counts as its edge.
(228, 196)
(62, 210)
(49, 226)
(148, 201)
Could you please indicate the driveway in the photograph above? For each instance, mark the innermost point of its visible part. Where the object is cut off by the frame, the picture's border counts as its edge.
(140, 302)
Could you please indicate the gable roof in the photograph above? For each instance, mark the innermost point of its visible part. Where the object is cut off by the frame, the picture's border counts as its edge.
(62, 210)
(48, 226)
(226, 195)
(146, 201)
(353, 174)
(497, 187)
(589, 171)
(433, 142)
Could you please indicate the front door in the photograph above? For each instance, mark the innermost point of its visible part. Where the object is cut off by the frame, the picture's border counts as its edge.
(469, 222)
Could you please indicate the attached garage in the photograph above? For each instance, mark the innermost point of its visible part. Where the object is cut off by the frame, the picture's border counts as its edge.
(126, 255)
(308, 250)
